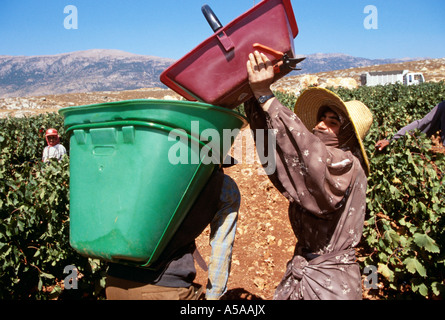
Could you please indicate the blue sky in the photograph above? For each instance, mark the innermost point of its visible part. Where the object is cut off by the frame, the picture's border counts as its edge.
(171, 28)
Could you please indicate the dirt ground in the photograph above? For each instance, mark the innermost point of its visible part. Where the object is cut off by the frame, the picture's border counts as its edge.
(264, 239)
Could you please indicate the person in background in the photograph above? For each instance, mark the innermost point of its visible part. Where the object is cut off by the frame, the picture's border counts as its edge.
(54, 149)
(321, 168)
(433, 122)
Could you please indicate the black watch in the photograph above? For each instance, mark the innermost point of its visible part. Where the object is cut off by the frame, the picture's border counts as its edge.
(263, 99)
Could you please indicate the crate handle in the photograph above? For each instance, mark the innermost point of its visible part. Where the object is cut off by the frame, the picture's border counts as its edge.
(216, 25)
(211, 18)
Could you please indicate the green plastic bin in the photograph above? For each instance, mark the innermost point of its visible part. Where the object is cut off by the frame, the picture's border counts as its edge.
(127, 198)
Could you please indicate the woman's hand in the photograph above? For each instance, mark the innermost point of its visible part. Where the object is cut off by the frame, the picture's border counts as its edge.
(261, 74)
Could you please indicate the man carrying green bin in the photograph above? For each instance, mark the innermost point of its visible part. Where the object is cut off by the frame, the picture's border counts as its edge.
(134, 208)
(217, 204)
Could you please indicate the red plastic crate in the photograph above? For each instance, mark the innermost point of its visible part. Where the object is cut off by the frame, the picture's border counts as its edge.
(215, 71)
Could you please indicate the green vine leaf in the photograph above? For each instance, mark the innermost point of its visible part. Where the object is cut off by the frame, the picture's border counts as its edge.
(413, 266)
(384, 270)
(424, 241)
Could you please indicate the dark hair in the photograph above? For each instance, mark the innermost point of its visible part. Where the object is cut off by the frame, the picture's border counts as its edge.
(323, 109)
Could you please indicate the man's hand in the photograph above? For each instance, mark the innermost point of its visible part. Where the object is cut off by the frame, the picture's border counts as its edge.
(381, 144)
(261, 74)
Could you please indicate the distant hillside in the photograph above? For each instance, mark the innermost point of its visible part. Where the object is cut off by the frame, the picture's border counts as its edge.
(432, 69)
(324, 62)
(83, 71)
(114, 70)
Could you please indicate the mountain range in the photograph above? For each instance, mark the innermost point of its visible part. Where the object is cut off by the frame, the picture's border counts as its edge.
(324, 62)
(115, 70)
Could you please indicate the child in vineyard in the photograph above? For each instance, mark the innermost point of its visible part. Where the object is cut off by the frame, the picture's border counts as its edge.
(430, 124)
(323, 175)
(54, 149)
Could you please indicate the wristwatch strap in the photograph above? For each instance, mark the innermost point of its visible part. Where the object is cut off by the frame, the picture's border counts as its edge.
(263, 99)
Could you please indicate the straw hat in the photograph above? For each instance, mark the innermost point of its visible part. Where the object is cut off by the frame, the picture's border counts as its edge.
(310, 101)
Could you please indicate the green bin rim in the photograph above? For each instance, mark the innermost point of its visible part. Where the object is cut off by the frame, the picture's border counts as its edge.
(194, 104)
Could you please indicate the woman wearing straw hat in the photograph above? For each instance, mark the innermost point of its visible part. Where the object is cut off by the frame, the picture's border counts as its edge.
(321, 168)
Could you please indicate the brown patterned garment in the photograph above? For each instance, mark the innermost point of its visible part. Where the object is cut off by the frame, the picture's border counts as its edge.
(326, 189)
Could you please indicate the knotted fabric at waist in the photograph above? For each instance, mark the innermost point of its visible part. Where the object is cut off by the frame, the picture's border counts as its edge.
(298, 263)
(329, 276)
